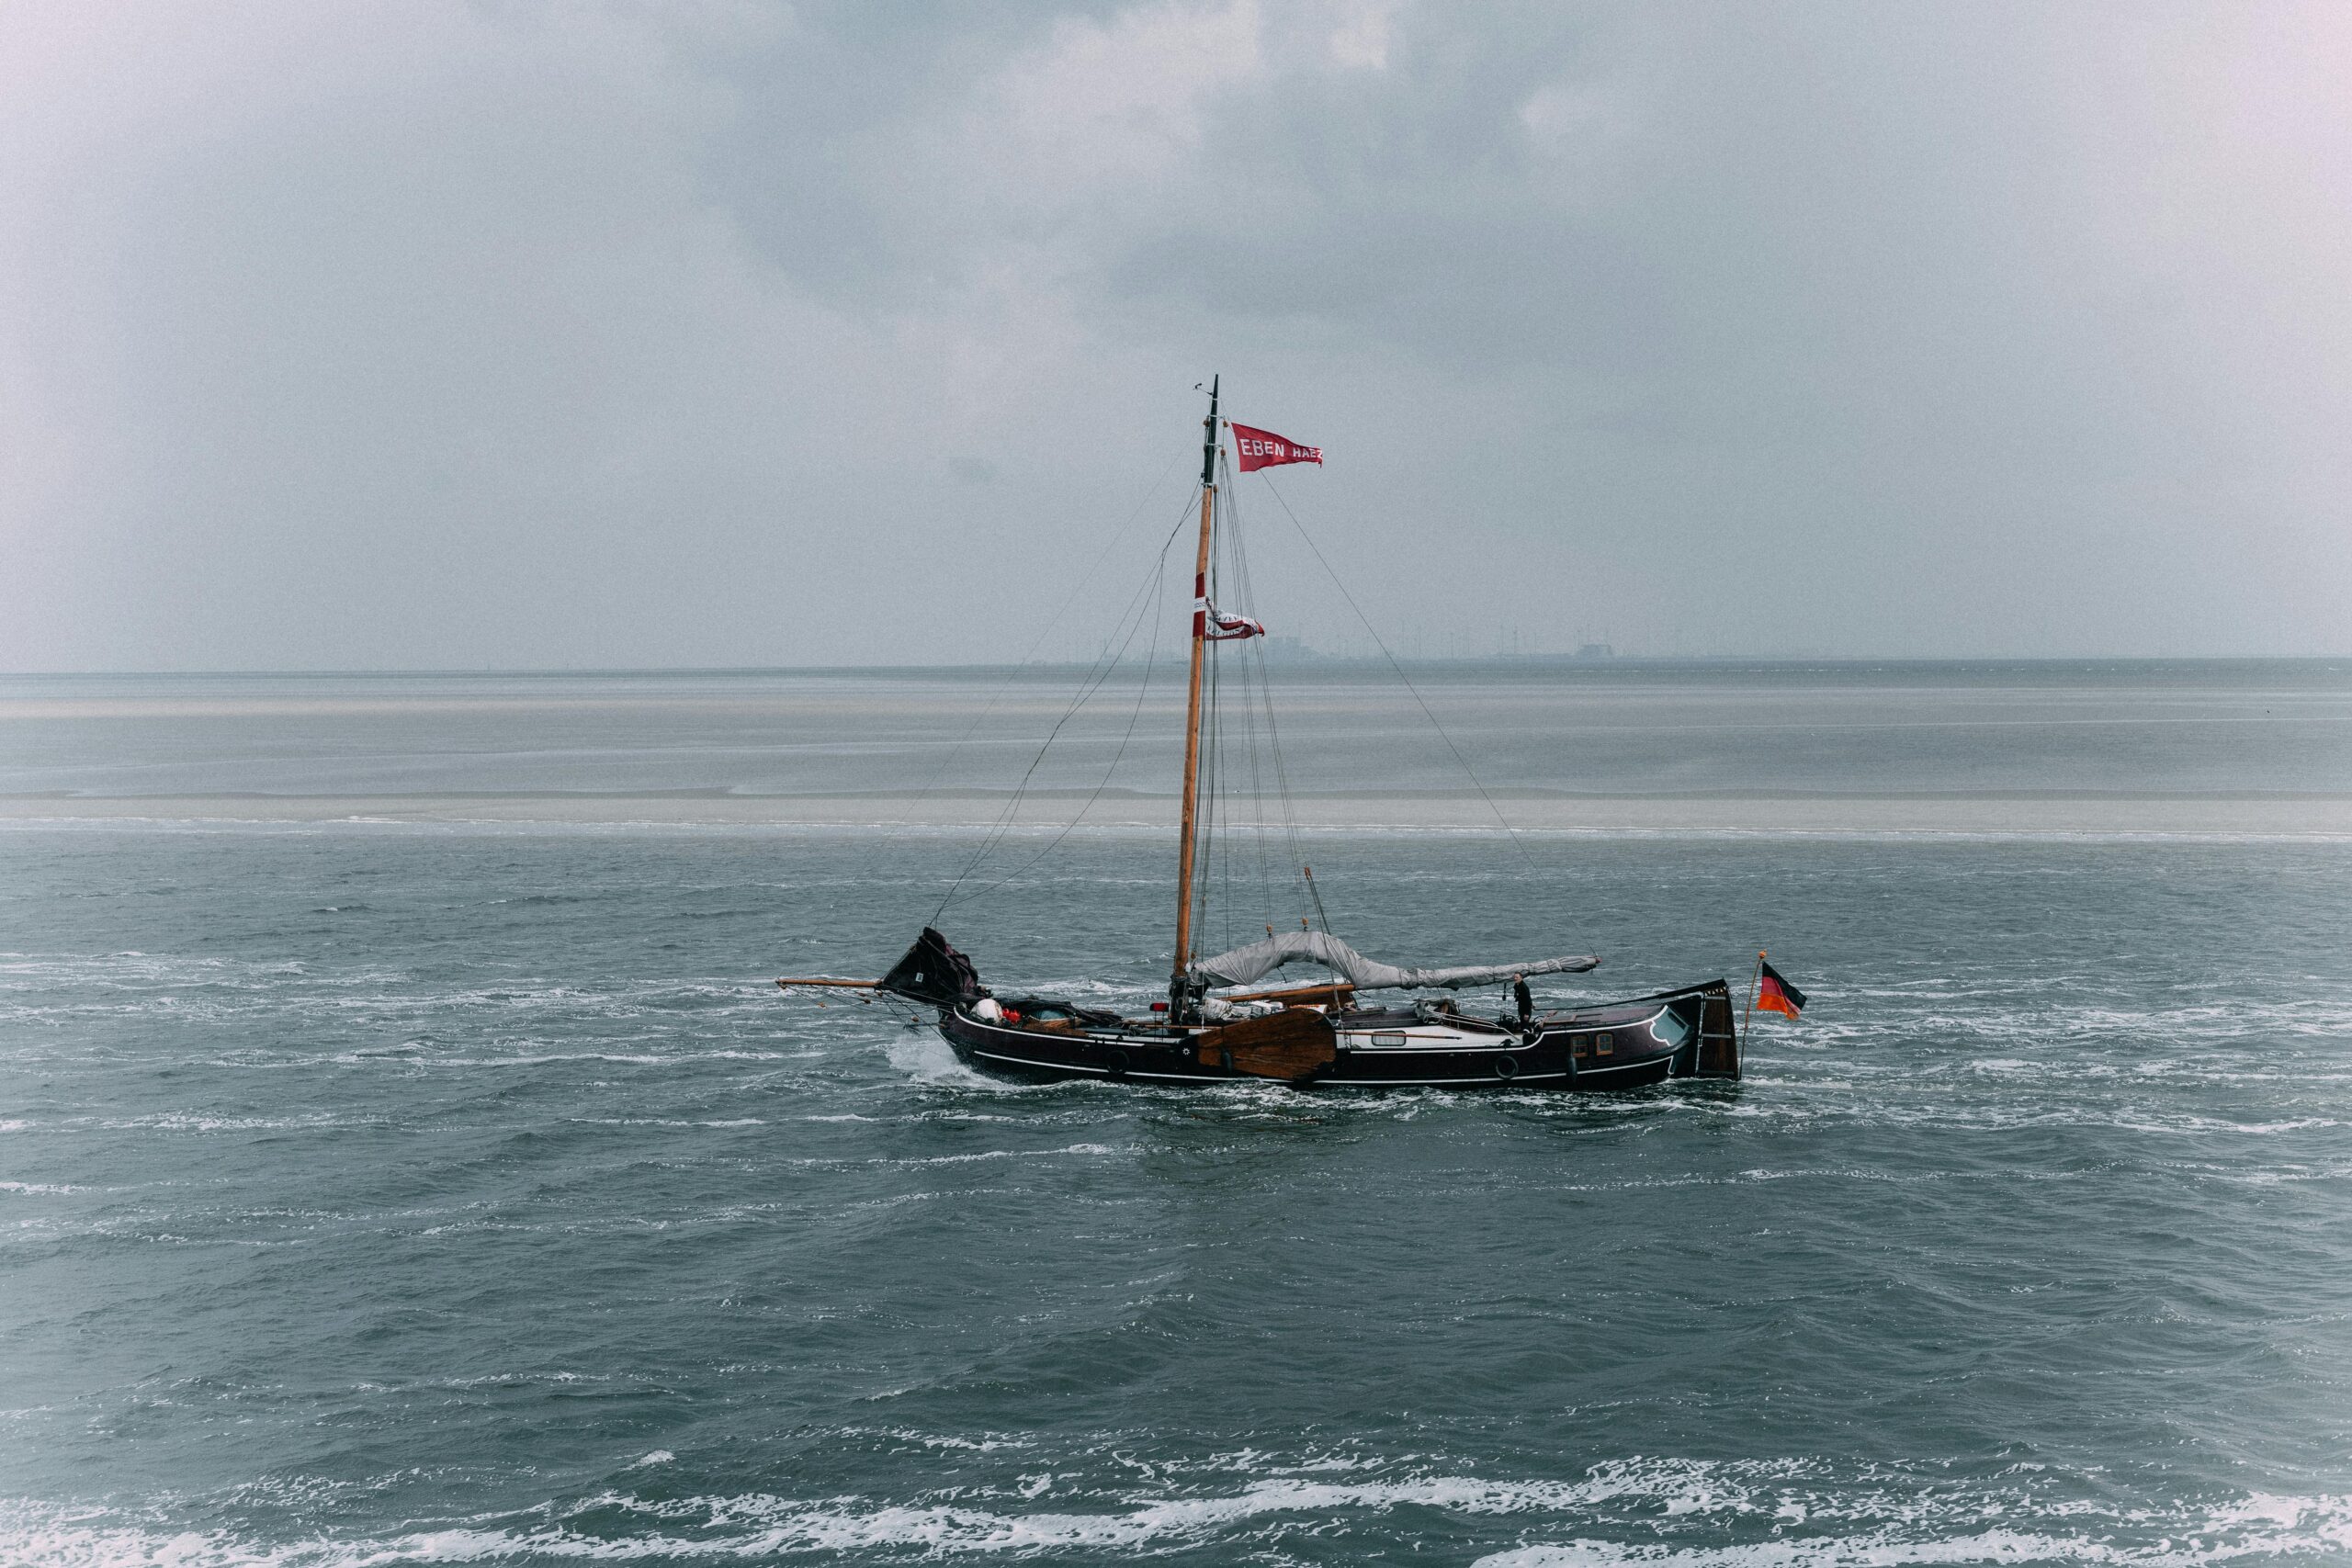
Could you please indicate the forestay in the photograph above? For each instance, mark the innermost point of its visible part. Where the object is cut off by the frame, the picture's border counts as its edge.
(1245, 966)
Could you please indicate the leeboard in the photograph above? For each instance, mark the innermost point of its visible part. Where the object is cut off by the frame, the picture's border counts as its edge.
(1291, 1044)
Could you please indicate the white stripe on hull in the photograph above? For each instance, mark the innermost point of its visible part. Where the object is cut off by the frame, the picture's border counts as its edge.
(1488, 1081)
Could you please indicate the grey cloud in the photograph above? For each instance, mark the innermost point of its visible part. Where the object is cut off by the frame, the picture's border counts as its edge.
(442, 334)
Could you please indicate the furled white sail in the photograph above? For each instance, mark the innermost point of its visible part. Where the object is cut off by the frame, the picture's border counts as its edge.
(1245, 966)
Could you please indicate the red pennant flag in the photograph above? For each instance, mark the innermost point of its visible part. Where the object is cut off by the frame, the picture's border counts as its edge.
(1258, 449)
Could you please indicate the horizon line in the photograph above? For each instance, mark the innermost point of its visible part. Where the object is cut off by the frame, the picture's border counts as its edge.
(1308, 659)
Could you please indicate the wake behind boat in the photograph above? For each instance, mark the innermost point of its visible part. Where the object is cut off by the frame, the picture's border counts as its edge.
(1218, 1024)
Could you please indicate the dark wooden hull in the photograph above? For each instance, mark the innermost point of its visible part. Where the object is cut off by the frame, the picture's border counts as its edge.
(1647, 1040)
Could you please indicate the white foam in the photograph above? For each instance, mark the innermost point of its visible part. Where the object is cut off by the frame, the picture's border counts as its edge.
(2325, 1537)
(1890, 1522)
(976, 1156)
(927, 1058)
(969, 1445)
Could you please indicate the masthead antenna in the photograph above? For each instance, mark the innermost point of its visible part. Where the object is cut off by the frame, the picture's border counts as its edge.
(1208, 437)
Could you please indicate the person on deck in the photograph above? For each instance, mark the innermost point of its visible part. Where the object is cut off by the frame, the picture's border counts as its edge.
(1526, 999)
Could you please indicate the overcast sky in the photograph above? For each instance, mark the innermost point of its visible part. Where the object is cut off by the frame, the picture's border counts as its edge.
(432, 335)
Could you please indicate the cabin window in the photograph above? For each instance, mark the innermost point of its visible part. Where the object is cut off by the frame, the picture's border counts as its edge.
(1584, 1047)
(1604, 1045)
(1388, 1040)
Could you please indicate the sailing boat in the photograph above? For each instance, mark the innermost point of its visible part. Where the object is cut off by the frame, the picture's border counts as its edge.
(1220, 1024)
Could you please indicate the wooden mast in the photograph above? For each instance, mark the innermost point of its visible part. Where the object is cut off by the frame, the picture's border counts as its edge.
(1192, 708)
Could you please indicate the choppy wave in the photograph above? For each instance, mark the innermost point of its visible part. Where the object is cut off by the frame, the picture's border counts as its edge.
(2038, 1167)
(1634, 1512)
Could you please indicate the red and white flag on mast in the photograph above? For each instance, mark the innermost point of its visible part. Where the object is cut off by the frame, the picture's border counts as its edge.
(1255, 449)
(1214, 624)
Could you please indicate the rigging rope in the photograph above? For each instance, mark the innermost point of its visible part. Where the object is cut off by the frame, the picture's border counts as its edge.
(1213, 849)
(1053, 622)
(1090, 682)
(1221, 769)
(1143, 689)
(1468, 772)
(1205, 846)
(1298, 851)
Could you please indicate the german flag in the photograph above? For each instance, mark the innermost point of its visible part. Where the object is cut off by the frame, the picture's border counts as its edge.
(1773, 993)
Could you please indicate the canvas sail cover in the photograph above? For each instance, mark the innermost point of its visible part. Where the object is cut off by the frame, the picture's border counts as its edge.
(1246, 965)
(932, 973)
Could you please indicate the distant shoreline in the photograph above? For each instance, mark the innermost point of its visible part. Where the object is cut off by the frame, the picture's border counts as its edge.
(2017, 814)
(1311, 663)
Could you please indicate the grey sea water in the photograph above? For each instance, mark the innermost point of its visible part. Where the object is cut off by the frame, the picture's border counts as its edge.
(404, 1157)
